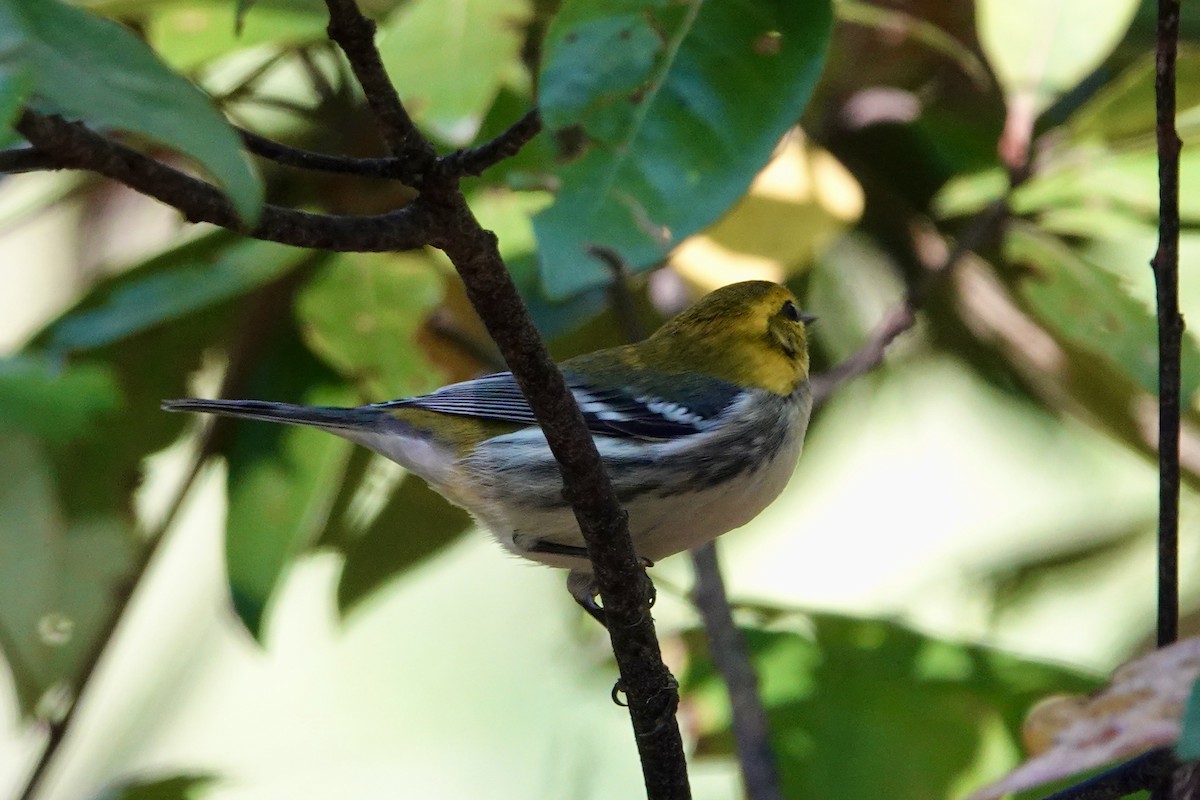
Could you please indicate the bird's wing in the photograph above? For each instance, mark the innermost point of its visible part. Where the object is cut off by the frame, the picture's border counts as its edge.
(684, 408)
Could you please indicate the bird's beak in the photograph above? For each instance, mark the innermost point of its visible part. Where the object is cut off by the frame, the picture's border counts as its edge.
(807, 318)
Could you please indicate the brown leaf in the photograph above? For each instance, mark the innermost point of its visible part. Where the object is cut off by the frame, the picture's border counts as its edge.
(1139, 710)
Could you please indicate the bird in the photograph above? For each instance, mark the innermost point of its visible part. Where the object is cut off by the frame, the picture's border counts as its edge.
(700, 427)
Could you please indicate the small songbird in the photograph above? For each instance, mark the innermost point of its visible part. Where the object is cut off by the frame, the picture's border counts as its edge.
(700, 427)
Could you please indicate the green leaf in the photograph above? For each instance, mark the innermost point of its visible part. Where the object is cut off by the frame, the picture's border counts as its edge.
(361, 314)
(84, 66)
(194, 32)
(677, 106)
(862, 708)
(152, 297)
(282, 479)
(1124, 108)
(150, 353)
(59, 577)
(448, 60)
(1088, 305)
(1188, 746)
(173, 787)
(15, 86)
(1039, 49)
(414, 524)
(55, 402)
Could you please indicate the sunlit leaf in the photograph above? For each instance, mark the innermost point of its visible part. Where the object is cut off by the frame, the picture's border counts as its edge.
(1124, 108)
(361, 313)
(1040, 49)
(674, 108)
(191, 33)
(448, 59)
(84, 66)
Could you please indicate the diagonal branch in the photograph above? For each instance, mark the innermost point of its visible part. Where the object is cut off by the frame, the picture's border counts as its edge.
(71, 145)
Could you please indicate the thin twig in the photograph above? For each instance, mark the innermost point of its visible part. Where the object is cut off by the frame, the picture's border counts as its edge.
(320, 162)
(355, 34)
(731, 657)
(506, 145)
(1170, 323)
(901, 317)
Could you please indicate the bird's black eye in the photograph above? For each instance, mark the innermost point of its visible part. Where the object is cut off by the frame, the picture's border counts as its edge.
(790, 311)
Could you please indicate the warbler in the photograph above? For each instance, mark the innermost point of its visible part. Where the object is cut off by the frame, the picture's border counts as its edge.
(699, 426)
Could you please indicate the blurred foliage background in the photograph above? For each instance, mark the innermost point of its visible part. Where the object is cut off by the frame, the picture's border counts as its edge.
(969, 529)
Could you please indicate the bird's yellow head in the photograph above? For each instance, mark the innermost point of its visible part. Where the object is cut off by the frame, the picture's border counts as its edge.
(751, 333)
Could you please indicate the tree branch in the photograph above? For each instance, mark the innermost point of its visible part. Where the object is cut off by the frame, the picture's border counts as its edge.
(506, 145)
(731, 657)
(1146, 771)
(1170, 323)
(982, 229)
(624, 587)
(71, 145)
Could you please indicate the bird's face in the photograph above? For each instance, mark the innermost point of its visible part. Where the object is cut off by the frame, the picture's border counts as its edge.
(752, 333)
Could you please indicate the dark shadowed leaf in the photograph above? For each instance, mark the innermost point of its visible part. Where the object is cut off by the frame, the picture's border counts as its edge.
(413, 524)
(174, 787)
(84, 66)
(673, 108)
(865, 709)
(282, 479)
(59, 577)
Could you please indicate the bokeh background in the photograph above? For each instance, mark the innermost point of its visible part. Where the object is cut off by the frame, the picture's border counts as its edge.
(970, 527)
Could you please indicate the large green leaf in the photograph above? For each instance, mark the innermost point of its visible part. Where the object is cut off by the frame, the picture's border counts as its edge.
(1088, 305)
(361, 313)
(448, 59)
(150, 330)
(152, 296)
(414, 524)
(676, 107)
(84, 66)
(59, 577)
(1040, 49)
(866, 709)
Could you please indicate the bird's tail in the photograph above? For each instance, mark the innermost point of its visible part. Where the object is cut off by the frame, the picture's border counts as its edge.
(323, 417)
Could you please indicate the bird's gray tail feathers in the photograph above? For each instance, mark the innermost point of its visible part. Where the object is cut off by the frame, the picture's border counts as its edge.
(324, 417)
